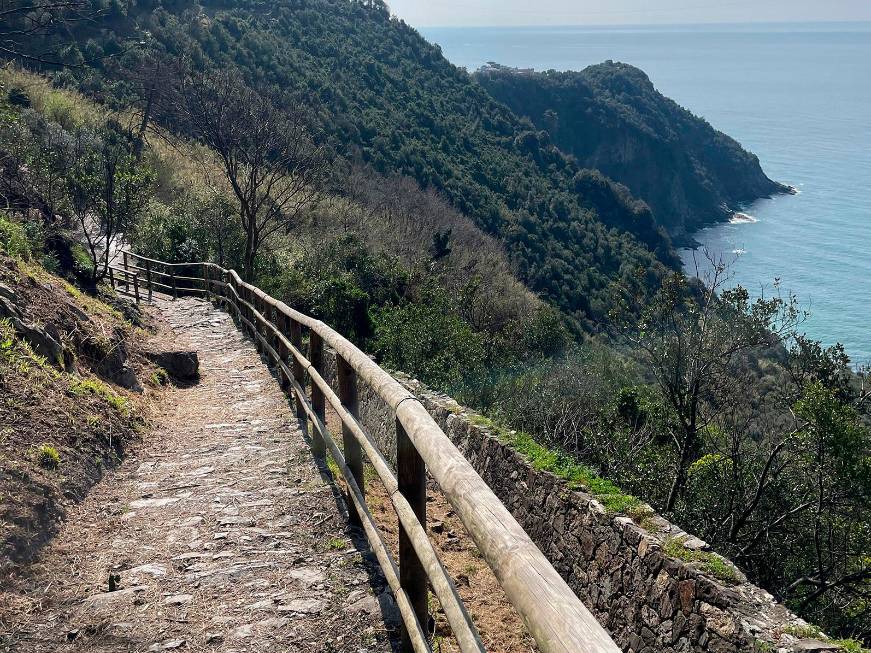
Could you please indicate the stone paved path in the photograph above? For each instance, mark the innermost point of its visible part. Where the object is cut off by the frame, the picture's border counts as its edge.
(224, 532)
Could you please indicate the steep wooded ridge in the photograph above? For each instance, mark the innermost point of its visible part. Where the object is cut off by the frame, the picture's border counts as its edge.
(612, 118)
(384, 95)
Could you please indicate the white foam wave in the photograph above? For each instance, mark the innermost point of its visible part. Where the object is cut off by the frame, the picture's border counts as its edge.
(742, 218)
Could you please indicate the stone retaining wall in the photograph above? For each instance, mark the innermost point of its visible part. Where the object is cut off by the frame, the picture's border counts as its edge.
(649, 601)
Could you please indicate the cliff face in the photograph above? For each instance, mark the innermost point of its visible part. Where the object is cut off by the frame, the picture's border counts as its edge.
(612, 119)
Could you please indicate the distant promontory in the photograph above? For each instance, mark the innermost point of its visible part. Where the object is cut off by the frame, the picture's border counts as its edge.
(612, 118)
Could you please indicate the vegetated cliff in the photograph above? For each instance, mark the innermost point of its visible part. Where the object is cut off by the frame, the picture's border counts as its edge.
(612, 118)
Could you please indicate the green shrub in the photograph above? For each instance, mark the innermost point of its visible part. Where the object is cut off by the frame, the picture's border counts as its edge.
(18, 97)
(48, 457)
(159, 377)
(13, 238)
(425, 340)
(50, 262)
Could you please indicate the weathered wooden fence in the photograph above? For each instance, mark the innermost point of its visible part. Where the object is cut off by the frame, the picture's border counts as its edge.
(555, 617)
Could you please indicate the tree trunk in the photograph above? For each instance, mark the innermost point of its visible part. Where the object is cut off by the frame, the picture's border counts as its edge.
(679, 482)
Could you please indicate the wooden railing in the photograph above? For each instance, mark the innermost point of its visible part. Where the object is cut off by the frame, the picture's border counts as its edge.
(554, 616)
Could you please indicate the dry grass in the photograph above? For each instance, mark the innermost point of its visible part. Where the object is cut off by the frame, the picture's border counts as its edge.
(65, 107)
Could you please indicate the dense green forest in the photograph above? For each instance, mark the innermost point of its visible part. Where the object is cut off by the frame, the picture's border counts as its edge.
(612, 119)
(449, 237)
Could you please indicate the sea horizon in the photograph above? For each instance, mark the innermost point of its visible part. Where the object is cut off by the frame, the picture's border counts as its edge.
(793, 93)
(858, 25)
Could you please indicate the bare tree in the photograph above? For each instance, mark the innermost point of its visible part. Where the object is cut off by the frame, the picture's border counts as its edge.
(108, 190)
(264, 142)
(36, 31)
(690, 338)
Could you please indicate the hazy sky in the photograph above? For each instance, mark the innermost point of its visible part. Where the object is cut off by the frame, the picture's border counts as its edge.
(424, 13)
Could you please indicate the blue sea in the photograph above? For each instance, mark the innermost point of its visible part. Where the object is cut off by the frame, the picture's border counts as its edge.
(797, 95)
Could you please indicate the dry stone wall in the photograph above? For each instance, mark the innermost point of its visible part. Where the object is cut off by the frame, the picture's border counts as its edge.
(650, 601)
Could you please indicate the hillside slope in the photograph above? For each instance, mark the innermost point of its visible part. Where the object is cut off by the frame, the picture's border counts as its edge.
(612, 118)
(386, 97)
(71, 396)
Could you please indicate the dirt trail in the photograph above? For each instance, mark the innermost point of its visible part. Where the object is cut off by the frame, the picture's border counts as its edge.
(225, 533)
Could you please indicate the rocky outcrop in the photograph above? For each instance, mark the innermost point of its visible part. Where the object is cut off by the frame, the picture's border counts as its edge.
(650, 586)
(45, 341)
(181, 365)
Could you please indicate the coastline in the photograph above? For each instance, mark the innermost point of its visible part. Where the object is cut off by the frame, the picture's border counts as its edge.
(729, 216)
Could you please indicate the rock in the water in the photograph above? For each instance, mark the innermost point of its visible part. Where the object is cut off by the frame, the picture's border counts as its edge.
(180, 365)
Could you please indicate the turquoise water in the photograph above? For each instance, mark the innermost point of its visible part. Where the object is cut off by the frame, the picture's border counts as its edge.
(799, 96)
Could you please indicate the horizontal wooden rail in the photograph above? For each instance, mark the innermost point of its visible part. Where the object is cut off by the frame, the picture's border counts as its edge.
(555, 617)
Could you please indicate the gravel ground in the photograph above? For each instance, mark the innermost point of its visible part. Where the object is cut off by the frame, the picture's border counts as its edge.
(220, 530)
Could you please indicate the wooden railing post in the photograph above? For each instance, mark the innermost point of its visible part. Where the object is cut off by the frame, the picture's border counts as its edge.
(148, 278)
(347, 379)
(261, 329)
(136, 286)
(256, 308)
(249, 297)
(282, 323)
(232, 281)
(112, 278)
(174, 286)
(298, 369)
(278, 323)
(411, 477)
(316, 358)
(126, 273)
(246, 296)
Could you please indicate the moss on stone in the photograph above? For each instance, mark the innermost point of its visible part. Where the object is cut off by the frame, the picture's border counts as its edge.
(709, 563)
(809, 631)
(566, 467)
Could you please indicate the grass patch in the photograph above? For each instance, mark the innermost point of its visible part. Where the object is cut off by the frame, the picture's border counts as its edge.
(48, 457)
(708, 562)
(336, 544)
(813, 632)
(578, 475)
(17, 355)
(88, 303)
(159, 377)
(333, 466)
(81, 387)
(63, 106)
(13, 238)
